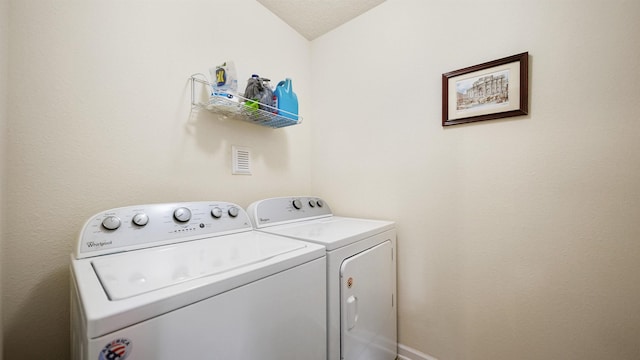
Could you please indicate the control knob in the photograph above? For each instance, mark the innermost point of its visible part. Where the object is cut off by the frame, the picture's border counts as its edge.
(182, 214)
(111, 222)
(216, 212)
(140, 219)
(297, 204)
(233, 211)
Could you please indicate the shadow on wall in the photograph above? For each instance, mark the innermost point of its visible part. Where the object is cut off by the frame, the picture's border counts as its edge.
(25, 336)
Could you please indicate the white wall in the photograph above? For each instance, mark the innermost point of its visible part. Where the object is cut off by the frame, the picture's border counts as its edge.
(100, 118)
(517, 238)
(4, 71)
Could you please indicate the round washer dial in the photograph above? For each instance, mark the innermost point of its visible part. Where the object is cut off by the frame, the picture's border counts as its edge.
(182, 214)
(216, 212)
(140, 219)
(111, 222)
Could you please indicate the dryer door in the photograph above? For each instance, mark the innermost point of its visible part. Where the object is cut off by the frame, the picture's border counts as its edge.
(367, 305)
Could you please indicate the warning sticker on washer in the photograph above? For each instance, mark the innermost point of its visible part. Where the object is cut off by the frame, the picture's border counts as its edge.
(118, 349)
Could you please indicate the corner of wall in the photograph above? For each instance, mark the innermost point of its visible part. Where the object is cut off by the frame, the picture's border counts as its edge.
(4, 91)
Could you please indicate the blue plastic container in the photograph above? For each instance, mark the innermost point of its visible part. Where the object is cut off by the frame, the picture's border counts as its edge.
(287, 100)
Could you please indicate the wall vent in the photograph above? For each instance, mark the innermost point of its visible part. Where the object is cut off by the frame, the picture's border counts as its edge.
(241, 160)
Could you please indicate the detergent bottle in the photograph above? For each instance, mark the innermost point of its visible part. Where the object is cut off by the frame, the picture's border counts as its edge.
(287, 100)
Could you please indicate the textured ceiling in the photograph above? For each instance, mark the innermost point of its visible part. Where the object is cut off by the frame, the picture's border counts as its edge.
(313, 18)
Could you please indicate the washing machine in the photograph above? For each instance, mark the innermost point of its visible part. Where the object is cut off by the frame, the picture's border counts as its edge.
(194, 281)
(361, 272)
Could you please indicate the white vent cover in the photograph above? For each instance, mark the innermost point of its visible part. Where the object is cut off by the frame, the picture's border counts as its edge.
(241, 160)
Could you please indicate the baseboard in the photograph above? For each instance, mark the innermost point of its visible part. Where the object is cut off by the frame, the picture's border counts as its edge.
(407, 353)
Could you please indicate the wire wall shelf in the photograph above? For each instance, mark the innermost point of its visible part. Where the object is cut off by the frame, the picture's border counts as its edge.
(243, 109)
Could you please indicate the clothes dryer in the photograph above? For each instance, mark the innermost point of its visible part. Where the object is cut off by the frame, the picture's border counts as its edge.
(361, 272)
(194, 281)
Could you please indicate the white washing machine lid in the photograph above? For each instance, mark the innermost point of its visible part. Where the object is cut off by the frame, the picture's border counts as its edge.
(133, 273)
(122, 289)
(332, 232)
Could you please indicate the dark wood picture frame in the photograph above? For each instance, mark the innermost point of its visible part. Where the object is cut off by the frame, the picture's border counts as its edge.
(486, 91)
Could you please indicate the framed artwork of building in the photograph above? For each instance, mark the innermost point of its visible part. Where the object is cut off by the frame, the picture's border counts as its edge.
(493, 90)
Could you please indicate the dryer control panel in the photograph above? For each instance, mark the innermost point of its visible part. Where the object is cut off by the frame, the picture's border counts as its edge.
(142, 226)
(282, 210)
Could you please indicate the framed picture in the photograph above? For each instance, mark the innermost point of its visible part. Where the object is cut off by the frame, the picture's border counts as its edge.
(493, 90)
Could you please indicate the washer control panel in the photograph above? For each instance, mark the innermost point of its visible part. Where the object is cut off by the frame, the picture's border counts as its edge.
(283, 210)
(141, 226)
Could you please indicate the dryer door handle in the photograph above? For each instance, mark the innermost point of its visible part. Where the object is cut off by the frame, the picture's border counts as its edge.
(352, 312)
